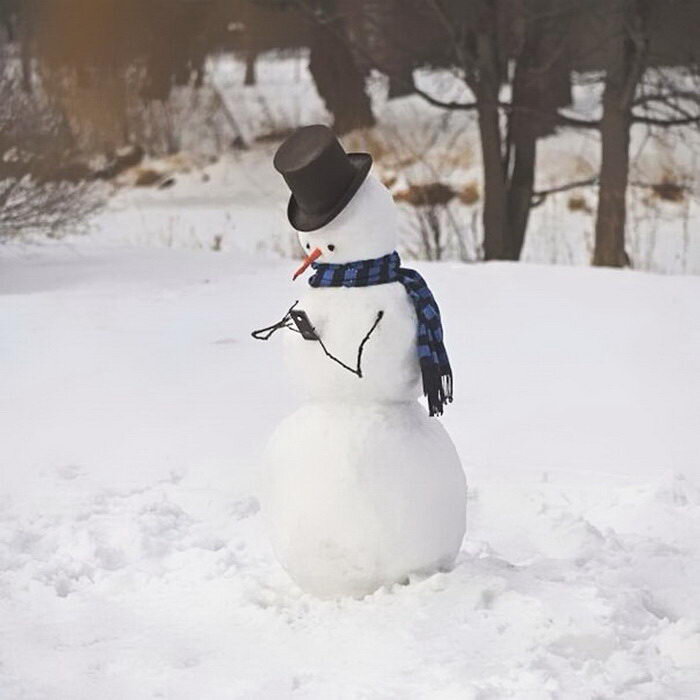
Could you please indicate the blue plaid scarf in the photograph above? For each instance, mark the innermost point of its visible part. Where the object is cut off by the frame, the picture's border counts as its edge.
(432, 356)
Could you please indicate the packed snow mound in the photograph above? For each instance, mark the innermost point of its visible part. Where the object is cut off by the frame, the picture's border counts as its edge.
(133, 561)
(357, 496)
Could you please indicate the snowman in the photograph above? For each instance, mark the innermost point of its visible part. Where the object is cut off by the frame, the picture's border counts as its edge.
(361, 486)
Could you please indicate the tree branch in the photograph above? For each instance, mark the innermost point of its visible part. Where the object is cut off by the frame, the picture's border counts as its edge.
(540, 195)
(666, 98)
(564, 120)
(561, 119)
(465, 106)
(654, 121)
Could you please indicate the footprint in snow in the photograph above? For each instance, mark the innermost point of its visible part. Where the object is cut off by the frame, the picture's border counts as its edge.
(244, 507)
(69, 471)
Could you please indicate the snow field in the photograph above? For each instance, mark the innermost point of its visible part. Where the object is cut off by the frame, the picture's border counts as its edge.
(133, 563)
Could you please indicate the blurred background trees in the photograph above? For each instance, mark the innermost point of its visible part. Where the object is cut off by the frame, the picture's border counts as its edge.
(91, 87)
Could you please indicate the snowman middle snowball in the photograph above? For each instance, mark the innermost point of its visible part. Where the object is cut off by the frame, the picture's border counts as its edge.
(360, 487)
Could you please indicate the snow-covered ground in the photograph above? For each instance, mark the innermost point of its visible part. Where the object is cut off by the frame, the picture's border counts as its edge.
(133, 410)
(134, 407)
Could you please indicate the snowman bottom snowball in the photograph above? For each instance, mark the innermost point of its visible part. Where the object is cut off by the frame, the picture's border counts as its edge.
(361, 487)
(382, 496)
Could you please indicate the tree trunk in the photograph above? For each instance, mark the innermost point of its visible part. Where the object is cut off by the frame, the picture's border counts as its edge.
(610, 221)
(541, 84)
(486, 90)
(495, 194)
(25, 21)
(251, 56)
(522, 181)
(539, 87)
(625, 68)
(338, 80)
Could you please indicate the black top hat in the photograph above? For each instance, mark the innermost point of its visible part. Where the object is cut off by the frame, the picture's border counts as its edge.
(322, 177)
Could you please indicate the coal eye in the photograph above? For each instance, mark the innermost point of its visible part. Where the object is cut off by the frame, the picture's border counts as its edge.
(307, 246)
(331, 247)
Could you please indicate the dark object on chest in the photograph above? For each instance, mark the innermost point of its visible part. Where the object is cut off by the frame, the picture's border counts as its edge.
(301, 321)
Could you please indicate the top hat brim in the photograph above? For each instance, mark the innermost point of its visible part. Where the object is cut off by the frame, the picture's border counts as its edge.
(305, 221)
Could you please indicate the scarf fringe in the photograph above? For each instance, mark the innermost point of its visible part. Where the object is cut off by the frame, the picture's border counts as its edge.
(437, 388)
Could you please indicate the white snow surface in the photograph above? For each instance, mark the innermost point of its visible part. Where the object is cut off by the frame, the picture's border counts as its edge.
(133, 564)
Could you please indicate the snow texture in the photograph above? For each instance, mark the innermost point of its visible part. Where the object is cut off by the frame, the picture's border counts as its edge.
(133, 563)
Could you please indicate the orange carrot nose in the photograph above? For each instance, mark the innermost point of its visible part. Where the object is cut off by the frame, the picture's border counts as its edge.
(307, 261)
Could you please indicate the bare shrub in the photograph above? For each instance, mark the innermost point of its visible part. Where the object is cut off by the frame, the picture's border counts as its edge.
(669, 191)
(577, 202)
(46, 208)
(44, 188)
(441, 230)
(429, 194)
(469, 194)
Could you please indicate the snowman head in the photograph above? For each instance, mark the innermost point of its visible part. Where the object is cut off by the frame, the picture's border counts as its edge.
(341, 212)
(366, 228)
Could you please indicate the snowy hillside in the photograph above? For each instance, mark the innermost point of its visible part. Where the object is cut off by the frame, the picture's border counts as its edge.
(133, 564)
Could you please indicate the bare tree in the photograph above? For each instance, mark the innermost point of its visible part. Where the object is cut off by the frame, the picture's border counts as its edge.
(481, 41)
(646, 71)
(637, 91)
(523, 44)
(628, 48)
(533, 47)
